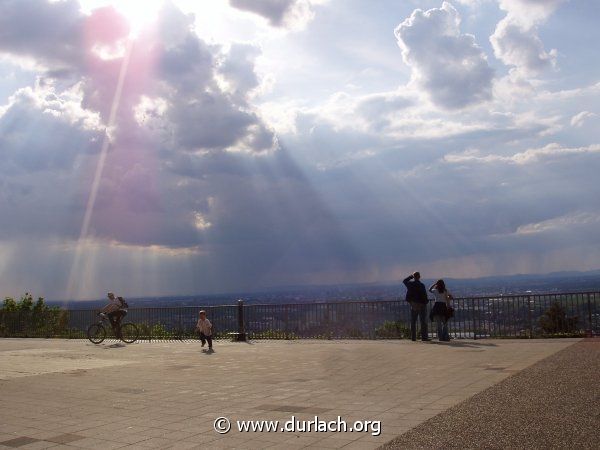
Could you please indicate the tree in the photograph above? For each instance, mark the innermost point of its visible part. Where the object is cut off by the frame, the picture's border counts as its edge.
(26, 318)
(555, 320)
(40, 306)
(26, 302)
(9, 304)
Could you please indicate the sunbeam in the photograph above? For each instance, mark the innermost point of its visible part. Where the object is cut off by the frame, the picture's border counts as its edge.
(99, 170)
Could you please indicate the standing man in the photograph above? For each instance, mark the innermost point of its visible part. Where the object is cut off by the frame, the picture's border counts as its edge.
(416, 295)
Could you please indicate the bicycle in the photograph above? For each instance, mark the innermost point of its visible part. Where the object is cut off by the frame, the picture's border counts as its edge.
(128, 332)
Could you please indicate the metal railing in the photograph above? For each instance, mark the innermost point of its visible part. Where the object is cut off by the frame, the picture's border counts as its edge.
(514, 316)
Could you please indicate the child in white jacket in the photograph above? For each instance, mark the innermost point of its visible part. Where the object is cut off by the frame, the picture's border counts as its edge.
(204, 327)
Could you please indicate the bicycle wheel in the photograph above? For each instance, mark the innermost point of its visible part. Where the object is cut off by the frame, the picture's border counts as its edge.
(96, 333)
(129, 333)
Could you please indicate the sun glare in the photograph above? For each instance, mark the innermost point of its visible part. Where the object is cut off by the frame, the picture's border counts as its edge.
(139, 14)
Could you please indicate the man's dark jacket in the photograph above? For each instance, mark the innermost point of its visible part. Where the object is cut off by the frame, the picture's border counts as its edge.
(415, 291)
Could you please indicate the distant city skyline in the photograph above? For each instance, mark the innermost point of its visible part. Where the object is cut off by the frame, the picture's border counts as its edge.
(179, 147)
(561, 282)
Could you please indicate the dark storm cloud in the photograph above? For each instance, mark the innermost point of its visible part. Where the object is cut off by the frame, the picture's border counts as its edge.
(194, 182)
(49, 32)
(199, 114)
(142, 181)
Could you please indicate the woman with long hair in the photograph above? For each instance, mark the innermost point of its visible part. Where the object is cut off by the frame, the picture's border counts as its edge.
(441, 309)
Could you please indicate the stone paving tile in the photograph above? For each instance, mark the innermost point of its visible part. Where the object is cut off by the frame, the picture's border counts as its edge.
(163, 395)
(64, 438)
(24, 432)
(203, 438)
(128, 438)
(155, 442)
(40, 445)
(19, 441)
(130, 447)
(64, 447)
(359, 445)
(95, 443)
(182, 445)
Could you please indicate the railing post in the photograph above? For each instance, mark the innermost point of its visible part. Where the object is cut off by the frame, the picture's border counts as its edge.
(180, 327)
(241, 336)
(590, 330)
(473, 321)
(529, 317)
(328, 319)
(287, 324)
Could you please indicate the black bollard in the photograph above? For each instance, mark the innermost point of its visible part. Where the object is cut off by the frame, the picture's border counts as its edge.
(241, 334)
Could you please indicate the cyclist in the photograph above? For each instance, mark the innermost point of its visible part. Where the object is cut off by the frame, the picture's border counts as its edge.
(115, 311)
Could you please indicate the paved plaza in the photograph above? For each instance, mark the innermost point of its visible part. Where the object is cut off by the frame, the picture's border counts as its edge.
(73, 394)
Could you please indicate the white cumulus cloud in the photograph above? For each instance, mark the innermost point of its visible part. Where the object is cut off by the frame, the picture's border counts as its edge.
(516, 41)
(445, 62)
(32, 116)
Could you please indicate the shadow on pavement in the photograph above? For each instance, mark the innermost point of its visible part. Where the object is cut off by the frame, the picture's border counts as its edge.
(469, 344)
(117, 345)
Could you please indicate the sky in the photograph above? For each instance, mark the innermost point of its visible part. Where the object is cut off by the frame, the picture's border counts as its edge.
(182, 147)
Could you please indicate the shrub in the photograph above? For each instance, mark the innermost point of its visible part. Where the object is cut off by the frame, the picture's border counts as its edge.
(392, 330)
(273, 334)
(354, 333)
(159, 331)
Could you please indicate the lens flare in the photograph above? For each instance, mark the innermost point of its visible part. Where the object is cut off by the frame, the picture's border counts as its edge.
(83, 235)
(139, 14)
